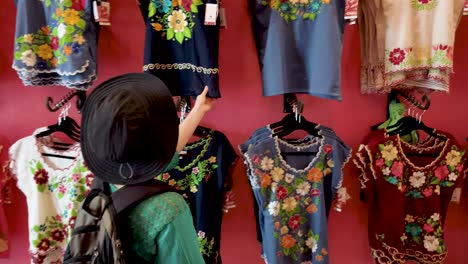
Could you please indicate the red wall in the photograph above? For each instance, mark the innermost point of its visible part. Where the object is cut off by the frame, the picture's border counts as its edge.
(241, 110)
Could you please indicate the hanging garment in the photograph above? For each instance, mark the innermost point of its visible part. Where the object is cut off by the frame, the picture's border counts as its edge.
(299, 45)
(294, 193)
(351, 11)
(418, 182)
(407, 44)
(465, 9)
(55, 43)
(179, 48)
(54, 189)
(203, 175)
(5, 198)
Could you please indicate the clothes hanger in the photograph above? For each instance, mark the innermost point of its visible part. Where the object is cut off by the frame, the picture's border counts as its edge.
(408, 124)
(293, 122)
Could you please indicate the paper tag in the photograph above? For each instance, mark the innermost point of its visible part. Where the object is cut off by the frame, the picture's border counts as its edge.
(211, 14)
(222, 18)
(101, 11)
(456, 195)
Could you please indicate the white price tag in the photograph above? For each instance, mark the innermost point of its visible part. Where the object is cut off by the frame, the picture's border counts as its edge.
(211, 14)
(101, 12)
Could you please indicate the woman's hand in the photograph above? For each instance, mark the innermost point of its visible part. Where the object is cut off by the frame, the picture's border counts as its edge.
(203, 103)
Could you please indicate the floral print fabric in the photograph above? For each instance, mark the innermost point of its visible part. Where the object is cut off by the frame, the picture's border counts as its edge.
(391, 57)
(204, 177)
(54, 189)
(419, 188)
(293, 202)
(58, 47)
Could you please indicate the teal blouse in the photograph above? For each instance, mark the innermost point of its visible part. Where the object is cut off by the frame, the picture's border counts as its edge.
(162, 229)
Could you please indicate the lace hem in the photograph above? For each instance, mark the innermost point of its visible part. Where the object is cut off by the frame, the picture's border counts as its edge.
(57, 71)
(82, 84)
(180, 66)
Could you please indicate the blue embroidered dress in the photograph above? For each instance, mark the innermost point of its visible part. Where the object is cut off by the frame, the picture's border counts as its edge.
(203, 175)
(179, 48)
(55, 43)
(299, 45)
(294, 194)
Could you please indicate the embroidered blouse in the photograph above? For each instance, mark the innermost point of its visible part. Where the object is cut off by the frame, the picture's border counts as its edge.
(299, 45)
(419, 188)
(395, 55)
(203, 175)
(294, 195)
(55, 43)
(54, 189)
(179, 48)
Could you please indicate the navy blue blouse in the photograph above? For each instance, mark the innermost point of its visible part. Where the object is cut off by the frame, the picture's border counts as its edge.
(179, 48)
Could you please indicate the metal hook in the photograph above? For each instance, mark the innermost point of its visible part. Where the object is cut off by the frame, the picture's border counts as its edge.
(53, 107)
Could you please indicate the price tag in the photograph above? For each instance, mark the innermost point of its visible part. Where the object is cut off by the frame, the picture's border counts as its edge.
(211, 14)
(101, 10)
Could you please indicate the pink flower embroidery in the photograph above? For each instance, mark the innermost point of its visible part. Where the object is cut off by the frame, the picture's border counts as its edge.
(428, 228)
(450, 53)
(397, 169)
(315, 192)
(427, 192)
(379, 163)
(441, 172)
(397, 56)
(424, 1)
(195, 170)
(62, 189)
(166, 176)
(460, 167)
(76, 177)
(201, 234)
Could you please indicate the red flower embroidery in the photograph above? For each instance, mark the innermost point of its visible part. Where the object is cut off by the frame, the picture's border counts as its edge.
(89, 179)
(397, 56)
(54, 43)
(424, 1)
(39, 259)
(294, 222)
(379, 163)
(41, 176)
(460, 167)
(315, 192)
(327, 148)
(186, 4)
(57, 235)
(256, 159)
(166, 176)
(281, 192)
(44, 244)
(427, 192)
(77, 5)
(428, 228)
(441, 172)
(71, 222)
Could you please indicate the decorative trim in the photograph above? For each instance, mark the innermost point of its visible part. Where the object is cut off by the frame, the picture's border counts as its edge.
(180, 66)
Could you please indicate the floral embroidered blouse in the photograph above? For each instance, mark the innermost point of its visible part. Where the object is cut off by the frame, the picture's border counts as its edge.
(179, 48)
(203, 175)
(55, 43)
(299, 45)
(294, 194)
(54, 189)
(419, 182)
(397, 56)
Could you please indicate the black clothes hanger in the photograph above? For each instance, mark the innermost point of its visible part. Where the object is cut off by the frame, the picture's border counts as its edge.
(408, 124)
(289, 124)
(202, 131)
(81, 97)
(68, 126)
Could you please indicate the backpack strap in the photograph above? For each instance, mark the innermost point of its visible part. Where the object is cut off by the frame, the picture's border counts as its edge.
(132, 194)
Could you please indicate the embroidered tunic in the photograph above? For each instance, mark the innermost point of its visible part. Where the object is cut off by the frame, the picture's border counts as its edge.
(55, 43)
(294, 195)
(299, 45)
(54, 189)
(203, 175)
(179, 48)
(407, 44)
(419, 188)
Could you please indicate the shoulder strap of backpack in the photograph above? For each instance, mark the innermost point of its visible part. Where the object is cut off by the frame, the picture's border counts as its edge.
(131, 194)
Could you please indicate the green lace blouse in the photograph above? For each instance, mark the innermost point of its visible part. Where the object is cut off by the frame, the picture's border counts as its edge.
(162, 229)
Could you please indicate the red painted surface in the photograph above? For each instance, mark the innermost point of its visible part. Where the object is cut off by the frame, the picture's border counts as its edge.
(241, 110)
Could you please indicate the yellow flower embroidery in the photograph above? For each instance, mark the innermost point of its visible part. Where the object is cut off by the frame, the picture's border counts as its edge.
(79, 39)
(172, 182)
(177, 21)
(71, 17)
(157, 26)
(277, 174)
(289, 204)
(28, 38)
(67, 50)
(212, 159)
(284, 230)
(330, 163)
(453, 158)
(326, 1)
(389, 152)
(45, 52)
(58, 12)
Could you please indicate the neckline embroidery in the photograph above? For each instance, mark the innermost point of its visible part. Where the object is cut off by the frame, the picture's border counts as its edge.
(205, 142)
(285, 164)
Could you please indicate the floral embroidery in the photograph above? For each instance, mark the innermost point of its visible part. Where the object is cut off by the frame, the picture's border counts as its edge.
(53, 44)
(206, 245)
(174, 19)
(419, 184)
(424, 231)
(51, 233)
(290, 10)
(424, 4)
(416, 57)
(288, 196)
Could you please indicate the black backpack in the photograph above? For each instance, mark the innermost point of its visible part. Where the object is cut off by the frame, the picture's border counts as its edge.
(97, 236)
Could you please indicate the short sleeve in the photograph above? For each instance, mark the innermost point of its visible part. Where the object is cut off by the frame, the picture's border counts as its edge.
(363, 162)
